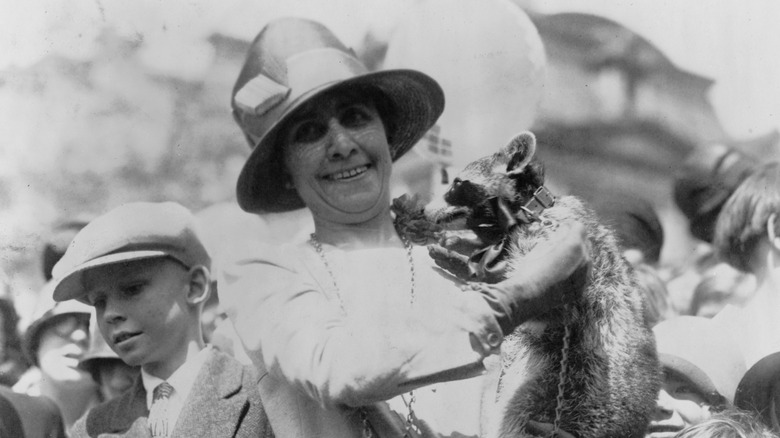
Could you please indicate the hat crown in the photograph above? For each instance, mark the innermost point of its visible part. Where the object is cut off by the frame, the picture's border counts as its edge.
(131, 231)
(280, 40)
(288, 59)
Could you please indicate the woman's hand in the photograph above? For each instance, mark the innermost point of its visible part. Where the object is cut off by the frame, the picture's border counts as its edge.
(551, 274)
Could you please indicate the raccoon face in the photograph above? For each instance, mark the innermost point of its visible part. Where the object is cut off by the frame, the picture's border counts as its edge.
(509, 175)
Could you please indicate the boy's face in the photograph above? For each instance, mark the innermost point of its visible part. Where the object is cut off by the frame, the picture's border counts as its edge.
(143, 312)
(680, 404)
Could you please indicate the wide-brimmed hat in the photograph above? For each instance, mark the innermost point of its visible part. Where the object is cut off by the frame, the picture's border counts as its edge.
(293, 61)
(32, 336)
(133, 231)
(702, 351)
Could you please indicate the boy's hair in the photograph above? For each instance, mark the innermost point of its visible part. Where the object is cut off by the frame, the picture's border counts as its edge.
(743, 220)
(135, 231)
(731, 423)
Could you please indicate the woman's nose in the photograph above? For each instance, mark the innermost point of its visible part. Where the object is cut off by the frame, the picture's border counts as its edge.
(80, 336)
(342, 144)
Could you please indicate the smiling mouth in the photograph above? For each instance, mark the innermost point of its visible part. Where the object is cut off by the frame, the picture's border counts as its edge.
(118, 339)
(347, 174)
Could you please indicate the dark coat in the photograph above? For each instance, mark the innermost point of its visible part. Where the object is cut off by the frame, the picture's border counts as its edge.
(24, 416)
(224, 403)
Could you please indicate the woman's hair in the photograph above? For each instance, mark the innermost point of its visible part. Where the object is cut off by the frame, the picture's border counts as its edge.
(742, 222)
(731, 423)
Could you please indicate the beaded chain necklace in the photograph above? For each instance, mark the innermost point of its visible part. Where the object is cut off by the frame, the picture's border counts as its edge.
(410, 417)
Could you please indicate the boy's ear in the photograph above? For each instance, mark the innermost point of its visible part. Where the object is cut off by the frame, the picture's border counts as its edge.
(199, 286)
(771, 231)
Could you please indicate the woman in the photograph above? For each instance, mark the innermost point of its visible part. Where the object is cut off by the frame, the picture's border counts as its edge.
(357, 316)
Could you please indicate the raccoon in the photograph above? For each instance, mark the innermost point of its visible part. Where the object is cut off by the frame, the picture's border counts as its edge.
(611, 377)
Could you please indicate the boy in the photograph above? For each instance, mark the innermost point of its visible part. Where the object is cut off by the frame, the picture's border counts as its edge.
(146, 272)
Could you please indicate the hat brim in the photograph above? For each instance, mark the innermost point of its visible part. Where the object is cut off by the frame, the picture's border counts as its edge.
(694, 374)
(70, 285)
(417, 99)
(754, 391)
(31, 339)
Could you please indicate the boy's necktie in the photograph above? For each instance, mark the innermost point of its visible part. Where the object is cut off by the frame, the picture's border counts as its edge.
(158, 413)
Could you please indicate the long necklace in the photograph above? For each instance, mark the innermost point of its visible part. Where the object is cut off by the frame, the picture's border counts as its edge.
(410, 417)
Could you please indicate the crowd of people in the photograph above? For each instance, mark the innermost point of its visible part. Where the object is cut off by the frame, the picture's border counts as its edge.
(353, 331)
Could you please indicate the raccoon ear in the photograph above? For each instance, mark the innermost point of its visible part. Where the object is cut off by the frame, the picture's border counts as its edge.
(520, 151)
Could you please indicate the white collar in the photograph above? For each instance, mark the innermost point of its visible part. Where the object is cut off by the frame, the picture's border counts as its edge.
(182, 379)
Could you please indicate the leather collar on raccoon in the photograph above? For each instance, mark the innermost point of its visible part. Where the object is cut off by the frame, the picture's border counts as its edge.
(489, 260)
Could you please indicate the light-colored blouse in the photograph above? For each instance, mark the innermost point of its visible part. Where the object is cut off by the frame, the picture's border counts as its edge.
(329, 348)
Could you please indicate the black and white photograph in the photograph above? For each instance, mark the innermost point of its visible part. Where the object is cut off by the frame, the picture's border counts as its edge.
(390, 219)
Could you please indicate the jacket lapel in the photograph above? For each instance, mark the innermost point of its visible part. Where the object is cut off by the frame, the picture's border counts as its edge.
(126, 417)
(214, 407)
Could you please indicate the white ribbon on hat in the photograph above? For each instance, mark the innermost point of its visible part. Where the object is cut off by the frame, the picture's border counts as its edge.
(305, 71)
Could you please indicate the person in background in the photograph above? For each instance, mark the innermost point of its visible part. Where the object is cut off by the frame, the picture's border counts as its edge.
(359, 333)
(720, 286)
(747, 237)
(54, 344)
(706, 179)
(731, 423)
(24, 416)
(112, 375)
(13, 363)
(144, 269)
(701, 369)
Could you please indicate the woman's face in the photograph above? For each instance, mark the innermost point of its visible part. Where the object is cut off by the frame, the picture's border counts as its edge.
(61, 346)
(338, 158)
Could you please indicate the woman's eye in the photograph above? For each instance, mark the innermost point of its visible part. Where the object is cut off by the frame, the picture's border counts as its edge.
(355, 116)
(308, 132)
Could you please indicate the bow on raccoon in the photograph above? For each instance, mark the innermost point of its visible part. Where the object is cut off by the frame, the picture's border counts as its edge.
(612, 376)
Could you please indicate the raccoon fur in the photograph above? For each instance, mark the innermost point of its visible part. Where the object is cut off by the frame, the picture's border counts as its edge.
(612, 373)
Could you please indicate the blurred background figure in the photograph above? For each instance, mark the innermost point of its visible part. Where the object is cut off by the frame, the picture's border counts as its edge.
(701, 369)
(747, 237)
(721, 286)
(109, 372)
(759, 389)
(731, 423)
(13, 363)
(706, 179)
(24, 416)
(637, 227)
(54, 343)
